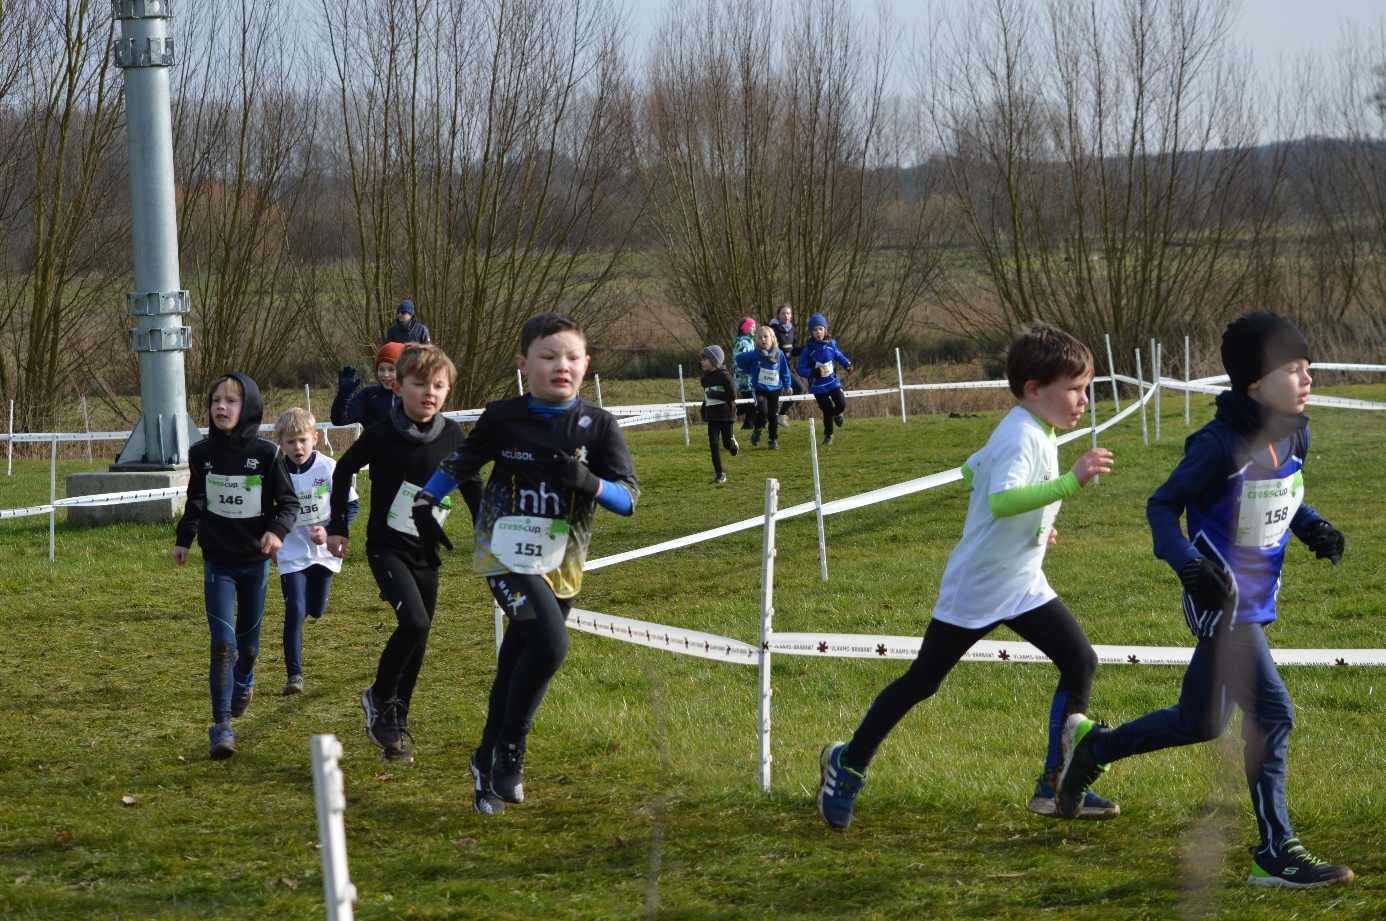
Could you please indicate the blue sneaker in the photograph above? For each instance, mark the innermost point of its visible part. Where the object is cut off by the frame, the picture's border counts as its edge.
(1094, 808)
(240, 696)
(223, 743)
(1080, 768)
(840, 787)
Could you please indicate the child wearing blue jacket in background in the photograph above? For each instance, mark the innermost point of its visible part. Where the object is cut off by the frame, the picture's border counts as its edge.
(818, 363)
(769, 371)
(1241, 487)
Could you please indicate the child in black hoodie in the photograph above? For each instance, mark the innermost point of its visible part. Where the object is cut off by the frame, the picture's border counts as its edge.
(719, 407)
(240, 505)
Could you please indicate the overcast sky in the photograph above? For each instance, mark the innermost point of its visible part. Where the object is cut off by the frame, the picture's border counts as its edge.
(1271, 29)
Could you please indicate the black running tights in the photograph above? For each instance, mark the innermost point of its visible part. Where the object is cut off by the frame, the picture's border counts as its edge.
(833, 403)
(1051, 627)
(719, 431)
(534, 646)
(413, 593)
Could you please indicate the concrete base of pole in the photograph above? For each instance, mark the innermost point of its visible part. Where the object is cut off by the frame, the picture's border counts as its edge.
(152, 512)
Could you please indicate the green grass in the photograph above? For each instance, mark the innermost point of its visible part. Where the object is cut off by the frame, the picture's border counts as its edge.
(642, 765)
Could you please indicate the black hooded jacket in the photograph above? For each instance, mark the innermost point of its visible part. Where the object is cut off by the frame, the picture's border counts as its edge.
(242, 466)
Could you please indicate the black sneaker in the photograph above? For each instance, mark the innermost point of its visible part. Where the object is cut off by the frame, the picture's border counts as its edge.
(774, 445)
(483, 800)
(755, 437)
(381, 725)
(222, 742)
(734, 449)
(1295, 868)
(838, 420)
(507, 769)
(827, 440)
(719, 479)
(1078, 768)
(240, 697)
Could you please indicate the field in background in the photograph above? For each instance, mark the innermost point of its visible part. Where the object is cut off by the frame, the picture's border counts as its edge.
(642, 770)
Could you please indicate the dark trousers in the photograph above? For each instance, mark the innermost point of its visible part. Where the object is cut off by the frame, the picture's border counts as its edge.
(833, 403)
(1233, 668)
(235, 598)
(768, 411)
(534, 646)
(1051, 627)
(746, 411)
(305, 595)
(719, 431)
(413, 592)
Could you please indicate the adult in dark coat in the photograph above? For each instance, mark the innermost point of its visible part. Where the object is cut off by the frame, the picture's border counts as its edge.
(407, 328)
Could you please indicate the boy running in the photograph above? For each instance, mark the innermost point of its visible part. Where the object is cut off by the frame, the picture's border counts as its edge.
(1241, 487)
(306, 567)
(993, 576)
(557, 457)
(240, 505)
(402, 453)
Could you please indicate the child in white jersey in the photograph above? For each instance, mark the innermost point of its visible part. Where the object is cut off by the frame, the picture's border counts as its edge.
(306, 567)
(993, 576)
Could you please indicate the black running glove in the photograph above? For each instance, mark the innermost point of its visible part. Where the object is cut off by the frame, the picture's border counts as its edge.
(430, 531)
(1326, 541)
(1207, 583)
(574, 476)
(347, 379)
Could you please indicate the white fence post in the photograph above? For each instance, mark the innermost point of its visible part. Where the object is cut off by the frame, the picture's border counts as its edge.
(9, 445)
(1092, 406)
(767, 613)
(900, 375)
(597, 379)
(307, 399)
(500, 629)
(683, 407)
(818, 503)
(1111, 369)
(1186, 380)
(1140, 395)
(331, 798)
(86, 426)
(1157, 373)
(520, 381)
(52, 497)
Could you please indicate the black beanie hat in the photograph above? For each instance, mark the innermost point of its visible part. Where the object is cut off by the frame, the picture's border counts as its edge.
(1255, 344)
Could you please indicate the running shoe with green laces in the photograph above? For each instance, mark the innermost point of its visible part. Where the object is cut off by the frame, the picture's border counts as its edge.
(1079, 768)
(1094, 809)
(1294, 867)
(839, 788)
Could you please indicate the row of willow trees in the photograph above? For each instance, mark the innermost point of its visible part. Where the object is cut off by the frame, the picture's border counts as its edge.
(1102, 164)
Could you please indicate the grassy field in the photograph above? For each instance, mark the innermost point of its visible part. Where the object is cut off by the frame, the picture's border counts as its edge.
(642, 780)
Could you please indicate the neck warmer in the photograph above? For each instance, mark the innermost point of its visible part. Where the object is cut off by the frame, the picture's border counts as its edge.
(1254, 421)
(419, 433)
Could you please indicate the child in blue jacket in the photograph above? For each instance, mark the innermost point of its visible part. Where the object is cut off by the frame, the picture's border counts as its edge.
(818, 363)
(769, 371)
(1241, 488)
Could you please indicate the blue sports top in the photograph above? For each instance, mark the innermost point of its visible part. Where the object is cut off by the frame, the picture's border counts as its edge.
(1242, 491)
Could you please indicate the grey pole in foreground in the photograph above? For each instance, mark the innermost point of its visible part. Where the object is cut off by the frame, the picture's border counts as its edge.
(145, 52)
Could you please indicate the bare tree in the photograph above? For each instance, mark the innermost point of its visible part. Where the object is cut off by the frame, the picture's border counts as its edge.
(58, 219)
(1105, 157)
(242, 124)
(768, 147)
(484, 141)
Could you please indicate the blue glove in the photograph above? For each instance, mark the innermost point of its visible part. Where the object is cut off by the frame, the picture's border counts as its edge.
(348, 379)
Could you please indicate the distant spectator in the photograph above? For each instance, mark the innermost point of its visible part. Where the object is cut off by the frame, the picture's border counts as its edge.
(407, 328)
(367, 405)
